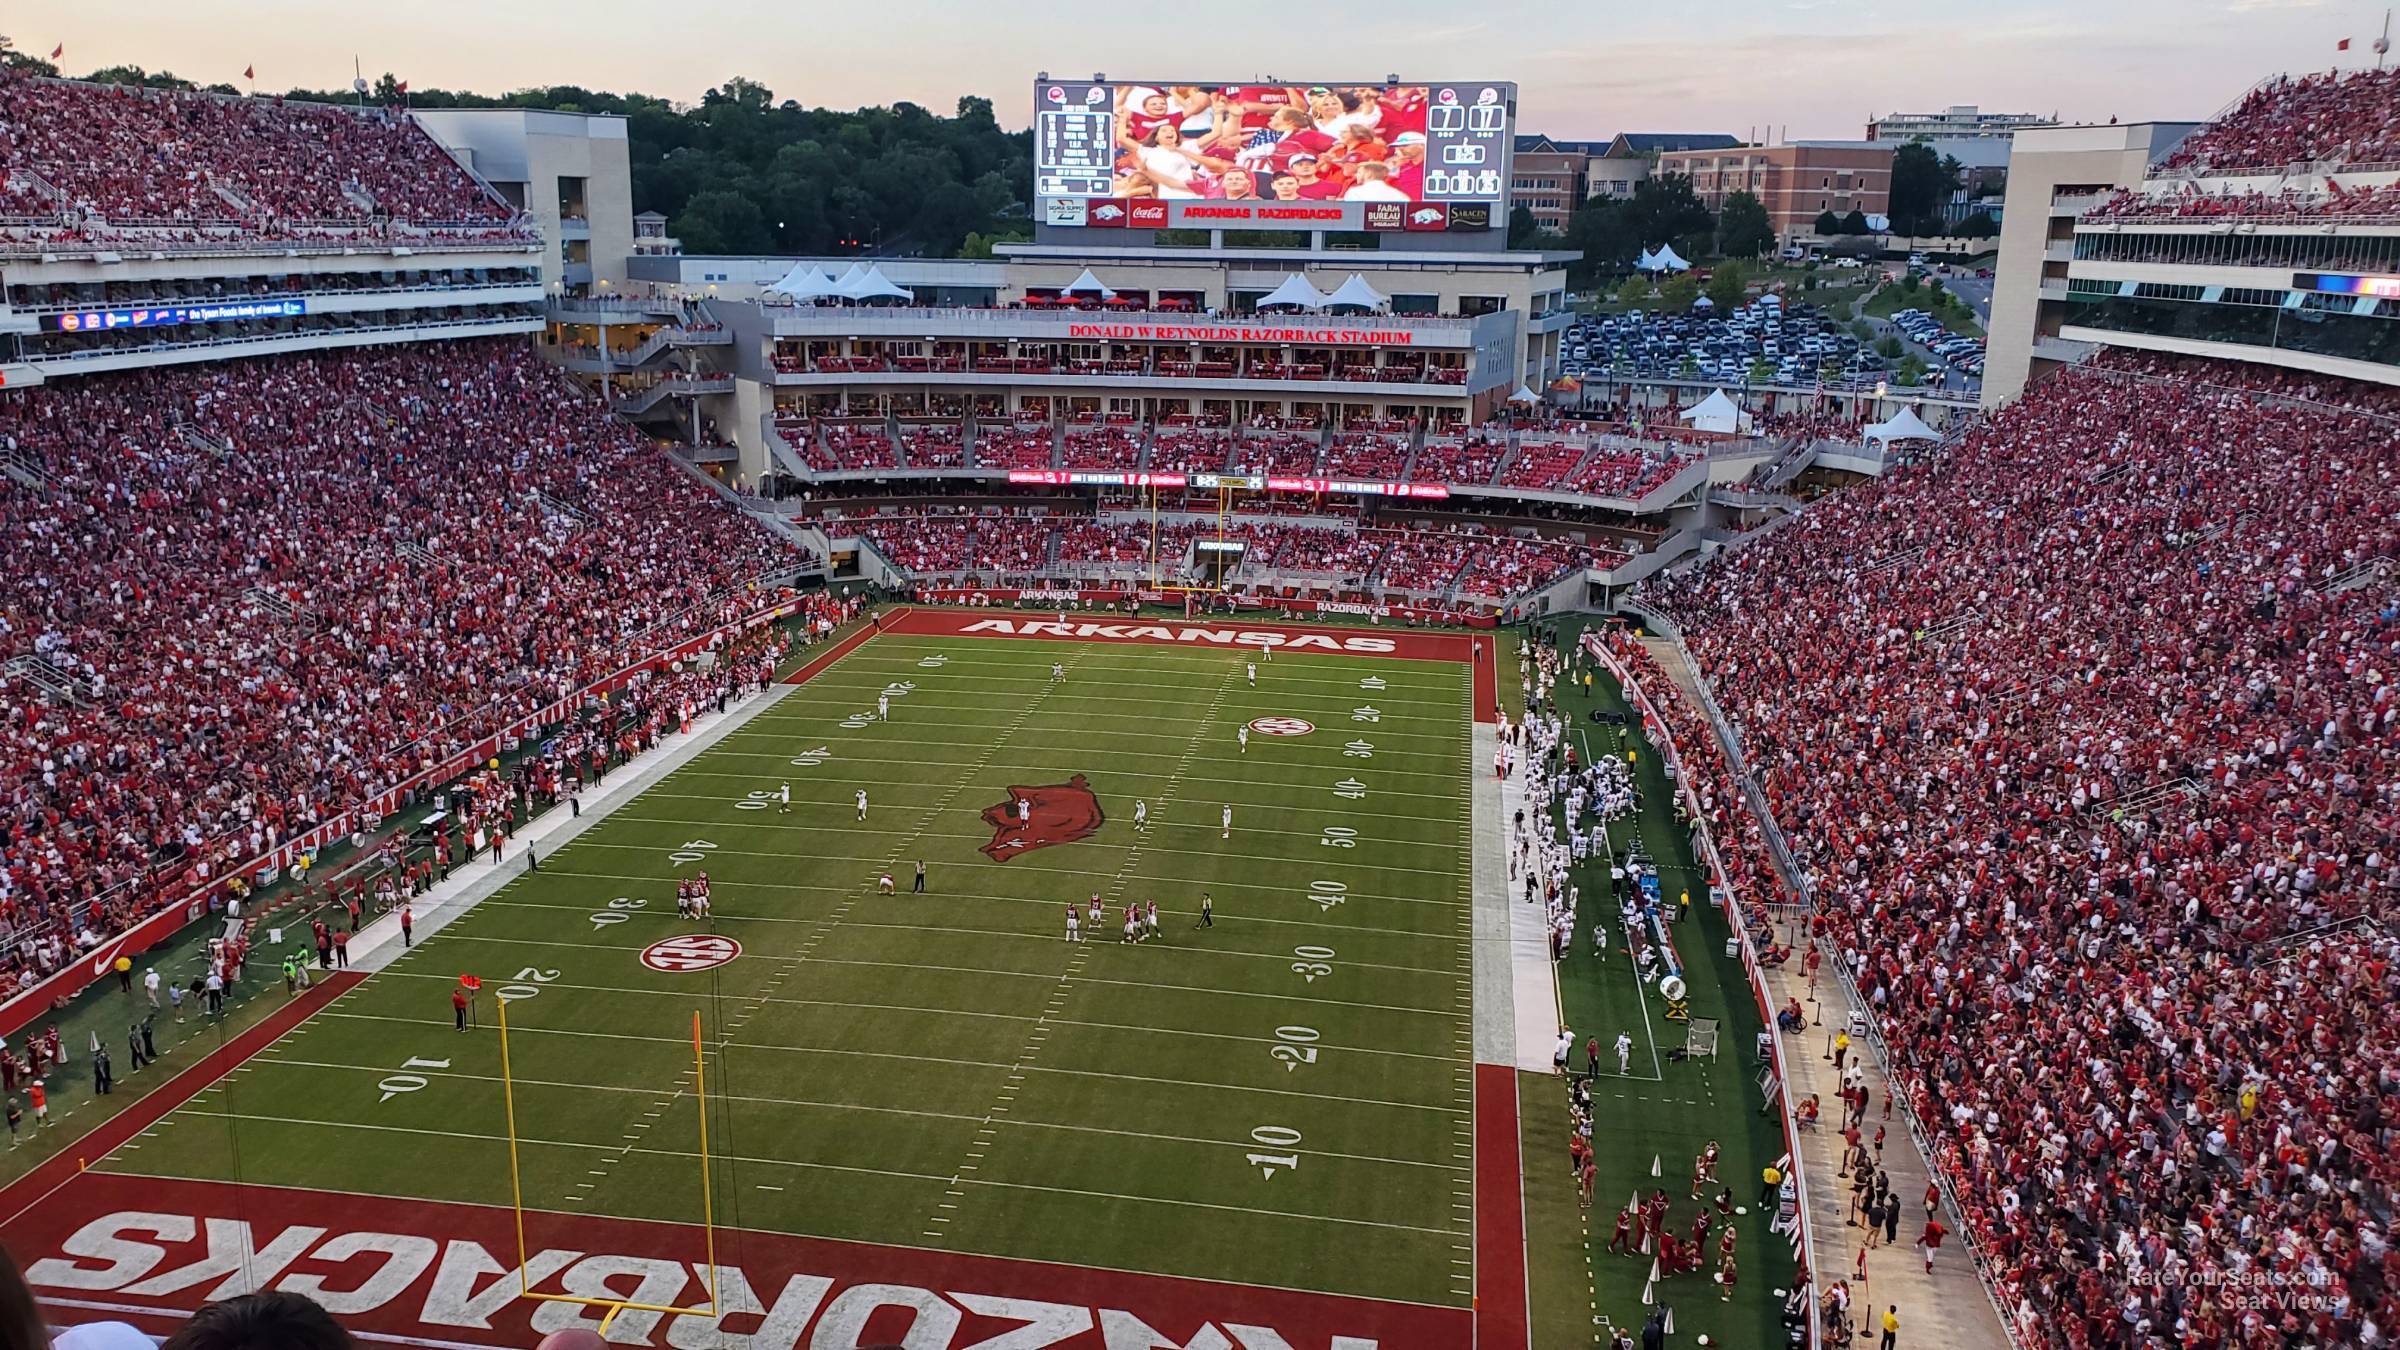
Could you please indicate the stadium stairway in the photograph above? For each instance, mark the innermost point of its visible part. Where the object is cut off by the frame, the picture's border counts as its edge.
(1416, 447)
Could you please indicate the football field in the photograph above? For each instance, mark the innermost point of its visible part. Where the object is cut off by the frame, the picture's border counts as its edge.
(1279, 1100)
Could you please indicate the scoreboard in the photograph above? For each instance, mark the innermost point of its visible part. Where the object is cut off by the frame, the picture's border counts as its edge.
(1372, 155)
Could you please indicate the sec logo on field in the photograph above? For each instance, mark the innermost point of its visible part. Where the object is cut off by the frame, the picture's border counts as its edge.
(1281, 726)
(694, 951)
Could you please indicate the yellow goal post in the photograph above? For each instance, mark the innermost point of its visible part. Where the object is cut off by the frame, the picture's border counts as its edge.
(713, 1309)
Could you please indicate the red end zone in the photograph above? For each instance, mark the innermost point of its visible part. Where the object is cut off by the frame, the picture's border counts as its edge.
(1478, 649)
(147, 1249)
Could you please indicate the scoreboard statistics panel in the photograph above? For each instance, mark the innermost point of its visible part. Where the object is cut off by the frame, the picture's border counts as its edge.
(1328, 155)
(1074, 150)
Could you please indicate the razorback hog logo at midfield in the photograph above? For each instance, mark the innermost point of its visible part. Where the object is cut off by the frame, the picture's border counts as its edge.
(1059, 813)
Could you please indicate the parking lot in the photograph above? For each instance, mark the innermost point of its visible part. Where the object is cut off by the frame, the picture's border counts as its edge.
(1784, 342)
(1948, 350)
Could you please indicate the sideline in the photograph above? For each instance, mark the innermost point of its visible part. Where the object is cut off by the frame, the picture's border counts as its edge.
(471, 883)
(109, 1135)
(378, 944)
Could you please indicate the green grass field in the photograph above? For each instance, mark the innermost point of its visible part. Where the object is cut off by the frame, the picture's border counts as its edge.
(1260, 1102)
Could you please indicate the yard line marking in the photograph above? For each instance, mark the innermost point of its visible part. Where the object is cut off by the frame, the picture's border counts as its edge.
(796, 1164)
(1051, 904)
(790, 855)
(1302, 998)
(1295, 789)
(1229, 1209)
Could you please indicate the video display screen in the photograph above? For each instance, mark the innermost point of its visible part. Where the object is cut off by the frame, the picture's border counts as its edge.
(1384, 147)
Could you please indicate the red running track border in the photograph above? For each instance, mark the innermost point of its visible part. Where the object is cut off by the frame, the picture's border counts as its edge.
(1502, 1321)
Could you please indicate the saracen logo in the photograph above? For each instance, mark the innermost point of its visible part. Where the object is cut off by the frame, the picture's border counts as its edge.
(1179, 633)
(1037, 817)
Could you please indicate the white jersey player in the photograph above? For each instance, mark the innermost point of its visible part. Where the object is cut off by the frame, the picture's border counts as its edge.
(1250, 668)
(862, 803)
(883, 707)
(1624, 1052)
(1057, 671)
(1242, 734)
(783, 800)
(1141, 815)
(1228, 833)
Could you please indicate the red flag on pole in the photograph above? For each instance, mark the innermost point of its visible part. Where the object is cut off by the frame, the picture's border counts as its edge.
(404, 86)
(2342, 46)
(58, 51)
(249, 72)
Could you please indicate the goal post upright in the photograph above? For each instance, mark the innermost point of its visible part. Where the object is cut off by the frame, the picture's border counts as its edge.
(713, 1309)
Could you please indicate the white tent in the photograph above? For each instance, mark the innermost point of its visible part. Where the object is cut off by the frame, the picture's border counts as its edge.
(872, 285)
(1295, 291)
(1523, 395)
(1714, 413)
(803, 282)
(849, 278)
(1665, 260)
(1356, 294)
(1087, 284)
(1906, 426)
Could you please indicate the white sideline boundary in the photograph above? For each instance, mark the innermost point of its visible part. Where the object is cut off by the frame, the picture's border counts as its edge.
(378, 944)
(1534, 1034)
(1500, 999)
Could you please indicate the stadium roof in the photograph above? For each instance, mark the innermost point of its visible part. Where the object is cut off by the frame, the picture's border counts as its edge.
(1537, 145)
(1630, 143)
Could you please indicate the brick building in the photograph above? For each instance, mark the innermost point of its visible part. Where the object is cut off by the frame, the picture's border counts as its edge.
(1795, 182)
(1548, 177)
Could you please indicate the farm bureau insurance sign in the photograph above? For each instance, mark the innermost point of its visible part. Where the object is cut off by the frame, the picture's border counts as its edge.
(1205, 332)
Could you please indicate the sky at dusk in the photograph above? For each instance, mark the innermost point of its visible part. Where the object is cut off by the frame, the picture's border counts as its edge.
(1818, 67)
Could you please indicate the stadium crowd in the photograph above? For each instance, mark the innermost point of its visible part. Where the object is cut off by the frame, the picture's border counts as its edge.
(934, 445)
(1467, 459)
(2335, 201)
(1106, 447)
(2078, 732)
(1377, 456)
(134, 157)
(271, 590)
(2351, 116)
(858, 445)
